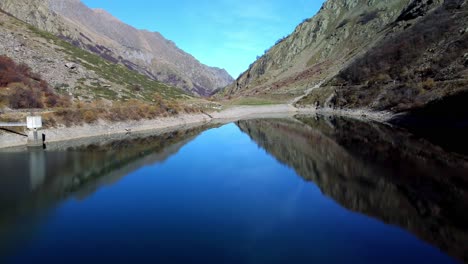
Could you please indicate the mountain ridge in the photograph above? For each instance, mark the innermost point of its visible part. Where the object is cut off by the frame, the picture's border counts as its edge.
(317, 41)
(147, 52)
(314, 63)
(64, 69)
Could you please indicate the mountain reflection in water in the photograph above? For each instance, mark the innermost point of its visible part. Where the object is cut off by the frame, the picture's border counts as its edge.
(37, 180)
(217, 197)
(378, 171)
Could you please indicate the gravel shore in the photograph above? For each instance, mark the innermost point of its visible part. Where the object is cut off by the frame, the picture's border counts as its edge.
(102, 128)
(232, 114)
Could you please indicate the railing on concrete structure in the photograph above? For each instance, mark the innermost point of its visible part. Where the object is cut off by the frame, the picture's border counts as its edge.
(33, 123)
(13, 124)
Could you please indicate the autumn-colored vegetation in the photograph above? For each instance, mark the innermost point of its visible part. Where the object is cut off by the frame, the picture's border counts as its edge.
(406, 70)
(399, 57)
(22, 88)
(87, 113)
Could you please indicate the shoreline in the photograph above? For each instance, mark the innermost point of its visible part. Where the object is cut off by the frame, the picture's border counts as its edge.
(361, 114)
(103, 128)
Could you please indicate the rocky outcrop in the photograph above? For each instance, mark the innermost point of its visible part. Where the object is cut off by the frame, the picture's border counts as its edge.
(420, 61)
(395, 56)
(72, 71)
(319, 47)
(417, 9)
(18, 43)
(96, 30)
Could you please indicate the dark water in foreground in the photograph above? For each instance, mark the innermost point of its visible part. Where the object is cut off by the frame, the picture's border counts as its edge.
(304, 190)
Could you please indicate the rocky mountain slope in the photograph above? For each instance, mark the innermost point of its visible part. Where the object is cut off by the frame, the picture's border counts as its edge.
(72, 71)
(395, 55)
(319, 46)
(99, 32)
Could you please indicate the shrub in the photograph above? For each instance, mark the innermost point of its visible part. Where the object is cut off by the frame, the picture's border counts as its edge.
(44, 85)
(51, 100)
(173, 108)
(24, 97)
(48, 120)
(279, 41)
(64, 101)
(8, 72)
(428, 84)
(399, 55)
(381, 78)
(89, 116)
(28, 89)
(136, 88)
(69, 117)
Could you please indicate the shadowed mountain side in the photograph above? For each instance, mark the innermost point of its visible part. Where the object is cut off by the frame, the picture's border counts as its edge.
(49, 177)
(389, 55)
(318, 48)
(377, 171)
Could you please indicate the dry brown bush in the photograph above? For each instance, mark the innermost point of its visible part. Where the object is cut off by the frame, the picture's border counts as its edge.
(24, 97)
(69, 117)
(428, 84)
(28, 90)
(89, 116)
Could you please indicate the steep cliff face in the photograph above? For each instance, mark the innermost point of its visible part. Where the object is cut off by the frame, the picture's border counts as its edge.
(319, 46)
(395, 55)
(98, 31)
(421, 60)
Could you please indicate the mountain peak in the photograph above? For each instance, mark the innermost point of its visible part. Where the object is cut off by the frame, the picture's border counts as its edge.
(100, 32)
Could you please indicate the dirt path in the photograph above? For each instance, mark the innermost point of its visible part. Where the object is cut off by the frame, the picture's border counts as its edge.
(306, 93)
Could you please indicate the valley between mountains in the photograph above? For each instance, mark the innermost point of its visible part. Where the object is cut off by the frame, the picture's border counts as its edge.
(398, 61)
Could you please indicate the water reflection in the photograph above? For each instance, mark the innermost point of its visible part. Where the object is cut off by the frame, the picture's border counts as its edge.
(378, 171)
(221, 199)
(32, 182)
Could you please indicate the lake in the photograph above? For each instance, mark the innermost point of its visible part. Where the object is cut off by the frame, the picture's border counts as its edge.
(308, 189)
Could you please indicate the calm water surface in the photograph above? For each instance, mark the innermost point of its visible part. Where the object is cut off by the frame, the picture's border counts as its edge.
(302, 190)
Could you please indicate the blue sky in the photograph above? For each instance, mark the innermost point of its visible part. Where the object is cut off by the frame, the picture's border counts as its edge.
(225, 33)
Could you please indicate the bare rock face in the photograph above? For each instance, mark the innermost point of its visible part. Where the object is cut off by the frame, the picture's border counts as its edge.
(419, 61)
(417, 9)
(70, 65)
(75, 72)
(99, 32)
(383, 55)
(43, 58)
(319, 46)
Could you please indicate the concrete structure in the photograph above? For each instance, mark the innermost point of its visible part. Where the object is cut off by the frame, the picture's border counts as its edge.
(13, 124)
(33, 123)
